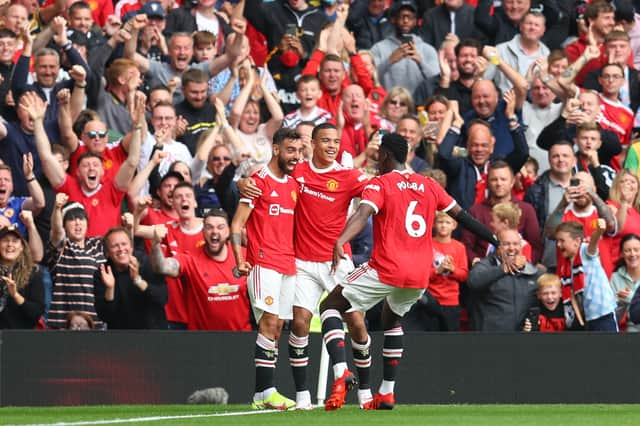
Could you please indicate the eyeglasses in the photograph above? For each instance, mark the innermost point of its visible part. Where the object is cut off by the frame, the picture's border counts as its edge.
(611, 77)
(217, 158)
(96, 134)
(398, 103)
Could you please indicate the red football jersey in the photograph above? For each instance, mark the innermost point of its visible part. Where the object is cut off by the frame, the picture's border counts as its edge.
(617, 117)
(154, 217)
(179, 241)
(102, 205)
(589, 221)
(405, 204)
(325, 195)
(112, 158)
(270, 226)
(216, 300)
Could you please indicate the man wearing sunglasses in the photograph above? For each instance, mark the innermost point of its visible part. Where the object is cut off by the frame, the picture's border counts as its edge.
(94, 138)
(101, 197)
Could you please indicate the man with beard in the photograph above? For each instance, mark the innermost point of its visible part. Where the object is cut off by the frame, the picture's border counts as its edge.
(404, 59)
(270, 260)
(471, 65)
(128, 294)
(216, 299)
(581, 203)
(503, 287)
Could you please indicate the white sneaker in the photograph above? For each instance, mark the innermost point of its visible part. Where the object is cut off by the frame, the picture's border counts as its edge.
(303, 401)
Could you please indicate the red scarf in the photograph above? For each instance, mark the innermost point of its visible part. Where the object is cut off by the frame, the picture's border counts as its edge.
(572, 279)
(481, 185)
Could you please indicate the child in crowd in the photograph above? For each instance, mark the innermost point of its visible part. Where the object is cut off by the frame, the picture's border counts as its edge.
(526, 177)
(449, 271)
(506, 215)
(587, 297)
(204, 46)
(308, 92)
(551, 315)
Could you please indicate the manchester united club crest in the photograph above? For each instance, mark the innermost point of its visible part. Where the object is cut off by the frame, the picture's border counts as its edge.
(294, 196)
(268, 300)
(8, 213)
(95, 202)
(107, 164)
(332, 185)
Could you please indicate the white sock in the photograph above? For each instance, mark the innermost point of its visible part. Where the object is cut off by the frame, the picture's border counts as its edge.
(258, 396)
(267, 392)
(303, 397)
(386, 387)
(339, 369)
(364, 395)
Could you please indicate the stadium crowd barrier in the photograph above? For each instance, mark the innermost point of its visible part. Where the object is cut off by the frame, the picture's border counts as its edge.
(156, 367)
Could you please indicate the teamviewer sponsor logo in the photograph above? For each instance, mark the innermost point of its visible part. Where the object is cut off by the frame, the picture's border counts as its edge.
(274, 209)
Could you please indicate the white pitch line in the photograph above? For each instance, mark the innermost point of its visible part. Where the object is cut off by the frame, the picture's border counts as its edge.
(152, 419)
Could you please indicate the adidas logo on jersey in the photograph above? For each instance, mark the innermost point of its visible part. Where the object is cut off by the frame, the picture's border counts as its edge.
(274, 193)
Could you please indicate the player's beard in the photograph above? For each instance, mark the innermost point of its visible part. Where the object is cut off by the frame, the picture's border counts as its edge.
(214, 253)
(283, 165)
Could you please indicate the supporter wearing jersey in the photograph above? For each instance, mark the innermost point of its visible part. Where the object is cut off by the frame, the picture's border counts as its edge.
(404, 205)
(184, 235)
(582, 204)
(308, 92)
(216, 299)
(614, 115)
(101, 198)
(270, 262)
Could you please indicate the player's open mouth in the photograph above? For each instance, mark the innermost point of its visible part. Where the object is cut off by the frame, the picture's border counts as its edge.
(184, 207)
(92, 178)
(3, 191)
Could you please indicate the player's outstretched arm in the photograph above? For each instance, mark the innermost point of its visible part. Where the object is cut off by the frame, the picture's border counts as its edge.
(237, 224)
(472, 224)
(354, 226)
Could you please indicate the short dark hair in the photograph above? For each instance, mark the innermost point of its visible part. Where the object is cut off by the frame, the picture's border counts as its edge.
(330, 58)
(322, 126)
(79, 5)
(6, 33)
(194, 75)
(499, 164)
(184, 184)
(89, 154)
(592, 10)
(216, 213)
(306, 79)
(396, 145)
(611, 64)
(284, 133)
(468, 42)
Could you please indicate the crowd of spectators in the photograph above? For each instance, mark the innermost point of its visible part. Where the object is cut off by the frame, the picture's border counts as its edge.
(128, 129)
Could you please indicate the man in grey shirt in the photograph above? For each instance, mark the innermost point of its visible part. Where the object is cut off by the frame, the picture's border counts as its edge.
(404, 59)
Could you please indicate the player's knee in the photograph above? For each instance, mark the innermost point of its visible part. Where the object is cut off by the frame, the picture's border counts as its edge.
(269, 326)
(334, 300)
(301, 321)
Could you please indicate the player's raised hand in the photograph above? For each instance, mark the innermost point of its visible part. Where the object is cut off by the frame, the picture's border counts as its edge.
(61, 200)
(26, 216)
(27, 165)
(159, 233)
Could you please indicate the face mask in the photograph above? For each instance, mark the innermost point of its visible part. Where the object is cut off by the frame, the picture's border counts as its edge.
(289, 58)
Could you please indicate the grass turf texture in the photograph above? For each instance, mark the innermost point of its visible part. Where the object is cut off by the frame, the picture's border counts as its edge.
(450, 415)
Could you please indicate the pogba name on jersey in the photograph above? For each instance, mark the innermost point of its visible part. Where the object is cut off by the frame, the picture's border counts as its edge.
(410, 185)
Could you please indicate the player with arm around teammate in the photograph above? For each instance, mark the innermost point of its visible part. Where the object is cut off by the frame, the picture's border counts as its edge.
(404, 205)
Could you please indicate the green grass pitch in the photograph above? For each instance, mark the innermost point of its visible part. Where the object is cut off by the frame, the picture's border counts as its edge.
(449, 415)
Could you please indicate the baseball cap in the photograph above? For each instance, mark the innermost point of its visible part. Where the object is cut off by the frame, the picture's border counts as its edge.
(153, 10)
(403, 4)
(172, 175)
(11, 229)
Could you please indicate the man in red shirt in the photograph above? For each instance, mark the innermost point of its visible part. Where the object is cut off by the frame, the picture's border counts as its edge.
(406, 203)
(270, 261)
(101, 198)
(600, 19)
(215, 298)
